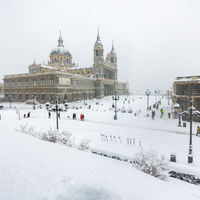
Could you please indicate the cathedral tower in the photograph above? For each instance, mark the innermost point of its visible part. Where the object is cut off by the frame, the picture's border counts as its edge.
(112, 56)
(98, 50)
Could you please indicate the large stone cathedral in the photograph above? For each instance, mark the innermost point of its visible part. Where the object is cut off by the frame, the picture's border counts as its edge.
(62, 78)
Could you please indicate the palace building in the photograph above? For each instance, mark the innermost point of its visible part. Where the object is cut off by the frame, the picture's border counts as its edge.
(64, 79)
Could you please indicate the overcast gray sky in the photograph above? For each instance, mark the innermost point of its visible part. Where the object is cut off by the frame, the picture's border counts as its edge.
(155, 40)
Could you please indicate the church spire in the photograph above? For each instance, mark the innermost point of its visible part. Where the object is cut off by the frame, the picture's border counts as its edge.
(98, 37)
(60, 41)
(113, 48)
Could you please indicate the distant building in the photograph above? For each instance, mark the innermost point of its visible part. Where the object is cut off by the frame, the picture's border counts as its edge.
(1, 88)
(184, 88)
(62, 78)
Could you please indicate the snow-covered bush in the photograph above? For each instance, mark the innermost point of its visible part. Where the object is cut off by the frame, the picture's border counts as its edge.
(22, 128)
(30, 130)
(55, 136)
(66, 138)
(51, 135)
(84, 144)
(150, 163)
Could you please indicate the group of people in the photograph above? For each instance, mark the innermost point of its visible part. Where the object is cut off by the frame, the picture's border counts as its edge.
(27, 115)
(49, 115)
(81, 116)
(73, 116)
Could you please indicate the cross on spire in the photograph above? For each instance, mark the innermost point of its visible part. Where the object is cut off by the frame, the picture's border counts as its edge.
(98, 37)
(60, 41)
(113, 48)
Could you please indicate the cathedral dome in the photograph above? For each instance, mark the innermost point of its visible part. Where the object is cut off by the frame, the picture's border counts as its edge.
(60, 50)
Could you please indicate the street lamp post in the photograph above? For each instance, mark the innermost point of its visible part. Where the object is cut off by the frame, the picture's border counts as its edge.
(34, 102)
(57, 113)
(18, 112)
(47, 106)
(191, 111)
(115, 98)
(84, 98)
(148, 93)
(66, 105)
(155, 95)
(168, 99)
(10, 99)
(179, 120)
(190, 154)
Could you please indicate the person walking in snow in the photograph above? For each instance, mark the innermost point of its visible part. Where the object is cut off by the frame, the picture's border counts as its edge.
(49, 115)
(161, 112)
(28, 115)
(153, 114)
(74, 116)
(198, 130)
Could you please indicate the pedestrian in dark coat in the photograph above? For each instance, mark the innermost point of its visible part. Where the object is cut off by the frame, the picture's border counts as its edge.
(74, 116)
(49, 114)
(28, 115)
(153, 114)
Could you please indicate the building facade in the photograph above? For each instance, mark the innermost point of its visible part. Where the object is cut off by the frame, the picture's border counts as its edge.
(64, 79)
(185, 88)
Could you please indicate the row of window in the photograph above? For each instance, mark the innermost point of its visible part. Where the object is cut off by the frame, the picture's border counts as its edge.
(65, 61)
(29, 83)
(44, 96)
(82, 73)
(28, 96)
(84, 83)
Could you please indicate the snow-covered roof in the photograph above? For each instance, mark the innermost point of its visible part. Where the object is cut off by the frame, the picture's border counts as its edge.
(47, 66)
(83, 77)
(176, 105)
(77, 67)
(60, 50)
(188, 79)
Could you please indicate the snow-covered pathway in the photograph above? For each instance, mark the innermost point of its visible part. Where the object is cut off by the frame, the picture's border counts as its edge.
(35, 169)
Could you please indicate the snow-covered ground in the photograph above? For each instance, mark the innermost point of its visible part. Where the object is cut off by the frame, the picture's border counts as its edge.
(34, 169)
